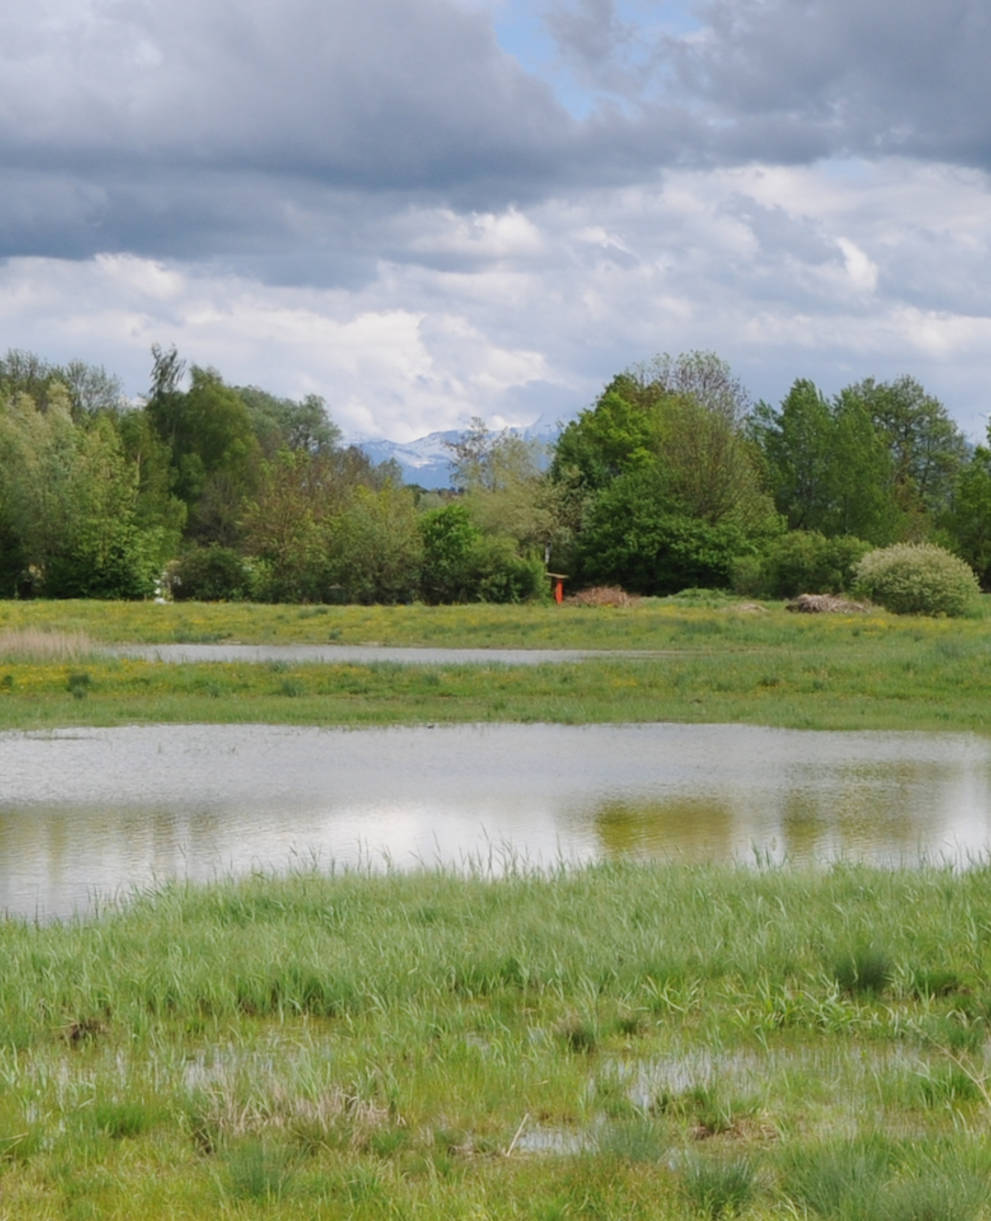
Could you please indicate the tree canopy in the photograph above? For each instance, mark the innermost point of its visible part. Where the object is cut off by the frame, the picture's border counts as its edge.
(671, 478)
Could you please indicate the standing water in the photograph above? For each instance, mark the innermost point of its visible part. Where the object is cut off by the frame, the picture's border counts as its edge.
(91, 814)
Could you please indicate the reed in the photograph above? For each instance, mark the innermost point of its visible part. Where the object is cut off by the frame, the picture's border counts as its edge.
(31, 644)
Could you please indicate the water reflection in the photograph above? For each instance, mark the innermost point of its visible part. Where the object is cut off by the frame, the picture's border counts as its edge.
(93, 813)
(650, 828)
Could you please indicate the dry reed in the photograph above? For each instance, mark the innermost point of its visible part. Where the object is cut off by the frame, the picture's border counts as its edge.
(34, 644)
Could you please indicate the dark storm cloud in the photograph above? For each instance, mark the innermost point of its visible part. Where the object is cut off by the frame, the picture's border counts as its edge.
(208, 126)
(791, 80)
(244, 129)
(378, 93)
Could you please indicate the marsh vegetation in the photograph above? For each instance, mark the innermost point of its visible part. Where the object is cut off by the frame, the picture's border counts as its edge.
(614, 1041)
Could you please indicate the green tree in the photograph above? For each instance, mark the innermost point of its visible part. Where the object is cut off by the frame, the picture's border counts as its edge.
(863, 505)
(670, 433)
(505, 486)
(826, 464)
(450, 537)
(158, 507)
(284, 524)
(647, 418)
(70, 499)
(293, 524)
(282, 423)
(701, 376)
(90, 388)
(215, 452)
(926, 448)
(797, 447)
(164, 403)
(711, 466)
(621, 432)
(375, 546)
(967, 523)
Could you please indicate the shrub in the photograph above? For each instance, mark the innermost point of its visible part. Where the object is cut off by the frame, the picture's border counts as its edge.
(505, 576)
(802, 561)
(461, 564)
(210, 574)
(633, 537)
(449, 540)
(747, 576)
(917, 578)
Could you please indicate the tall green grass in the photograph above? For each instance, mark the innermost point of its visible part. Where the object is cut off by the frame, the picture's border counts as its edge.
(619, 1040)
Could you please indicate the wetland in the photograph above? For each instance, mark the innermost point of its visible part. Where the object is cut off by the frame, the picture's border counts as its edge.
(745, 973)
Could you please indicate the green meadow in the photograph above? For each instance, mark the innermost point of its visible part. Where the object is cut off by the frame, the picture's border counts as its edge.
(616, 1041)
(704, 659)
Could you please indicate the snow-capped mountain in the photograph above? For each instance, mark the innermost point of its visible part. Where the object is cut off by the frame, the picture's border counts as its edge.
(427, 460)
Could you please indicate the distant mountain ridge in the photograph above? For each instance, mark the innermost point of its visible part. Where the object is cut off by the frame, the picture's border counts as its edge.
(427, 460)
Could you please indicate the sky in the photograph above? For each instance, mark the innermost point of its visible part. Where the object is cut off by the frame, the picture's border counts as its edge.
(430, 210)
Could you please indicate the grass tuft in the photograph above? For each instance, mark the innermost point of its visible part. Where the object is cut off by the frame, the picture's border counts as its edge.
(718, 1187)
(638, 1139)
(837, 1179)
(254, 1170)
(864, 970)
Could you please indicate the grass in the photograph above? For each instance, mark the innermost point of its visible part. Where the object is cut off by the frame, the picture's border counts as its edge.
(664, 1041)
(621, 1040)
(700, 663)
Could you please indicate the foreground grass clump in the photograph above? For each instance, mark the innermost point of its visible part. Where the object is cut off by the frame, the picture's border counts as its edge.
(625, 1041)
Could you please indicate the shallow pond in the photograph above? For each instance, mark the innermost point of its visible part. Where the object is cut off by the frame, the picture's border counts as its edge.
(86, 814)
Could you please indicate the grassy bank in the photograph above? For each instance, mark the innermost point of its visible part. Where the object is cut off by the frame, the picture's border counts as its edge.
(620, 1041)
(649, 624)
(687, 620)
(715, 663)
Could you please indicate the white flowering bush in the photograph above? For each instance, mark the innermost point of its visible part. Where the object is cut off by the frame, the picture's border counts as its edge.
(917, 579)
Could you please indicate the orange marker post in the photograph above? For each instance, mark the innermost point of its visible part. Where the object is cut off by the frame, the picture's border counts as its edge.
(557, 581)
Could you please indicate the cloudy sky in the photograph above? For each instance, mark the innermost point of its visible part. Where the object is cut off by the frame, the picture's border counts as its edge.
(426, 210)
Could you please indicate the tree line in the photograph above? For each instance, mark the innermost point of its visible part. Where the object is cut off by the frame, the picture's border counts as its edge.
(672, 478)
